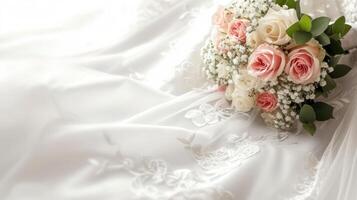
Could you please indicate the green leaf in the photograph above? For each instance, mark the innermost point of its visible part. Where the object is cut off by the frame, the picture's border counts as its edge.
(291, 4)
(330, 84)
(323, 111)
(305, 23)
(334, 60)
(280, 2)
(310, 128)
(340, 71)
(334, 48)
(319, 25)
(336, 36)
(307, 114)
(339, 25)
(347, 29)
(323, 39)
(302, 37)
(298, 9)
(292, 29)
(328, 31)
(319, 92)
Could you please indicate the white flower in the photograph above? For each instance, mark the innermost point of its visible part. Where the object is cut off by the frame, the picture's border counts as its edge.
(242, 101)
(229, 92)
(244, 58)
(272, 27)
(324, 65)
(323, 83)
(253, 39)
(235, 61)
(323, 74)
(244, 81)
(222, 70)
(240, 91)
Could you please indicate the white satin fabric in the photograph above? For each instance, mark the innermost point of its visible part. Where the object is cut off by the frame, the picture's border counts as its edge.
(105, 99)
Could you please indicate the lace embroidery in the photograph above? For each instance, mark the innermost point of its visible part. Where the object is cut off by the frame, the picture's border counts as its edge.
(233, 153)
(152, 176)
(207, 114)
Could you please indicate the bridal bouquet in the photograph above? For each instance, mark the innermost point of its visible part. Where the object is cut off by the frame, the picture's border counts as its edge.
(267, 54)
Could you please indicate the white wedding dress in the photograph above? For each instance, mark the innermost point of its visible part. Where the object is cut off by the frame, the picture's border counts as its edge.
(105, 100)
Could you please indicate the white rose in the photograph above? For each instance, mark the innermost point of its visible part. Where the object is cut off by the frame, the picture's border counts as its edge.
(242, 101)
(244, 81)
(253, 39)
(229, 92)
(240, 91)
(272, 27)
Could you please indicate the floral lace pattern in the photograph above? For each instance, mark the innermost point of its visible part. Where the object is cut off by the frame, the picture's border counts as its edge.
(207, 114)
(235, 151)
(152, 176)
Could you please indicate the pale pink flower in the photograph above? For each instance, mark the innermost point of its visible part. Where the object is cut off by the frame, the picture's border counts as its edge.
(303, 66)
(313, 45)
(238, 29)
(222, 18)
(266, 62)
(266, 101)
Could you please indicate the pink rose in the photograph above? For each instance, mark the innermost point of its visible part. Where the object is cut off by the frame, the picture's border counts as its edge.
(222, 18)
(266, 62)
(238, 29)
(303, 66)
(314, 46)
(266, 101)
